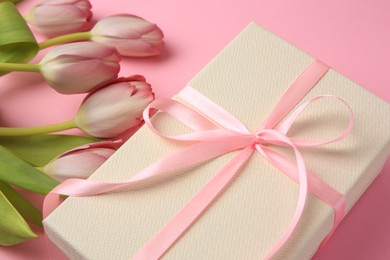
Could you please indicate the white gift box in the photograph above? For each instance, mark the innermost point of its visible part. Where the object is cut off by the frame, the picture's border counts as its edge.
(247, 79)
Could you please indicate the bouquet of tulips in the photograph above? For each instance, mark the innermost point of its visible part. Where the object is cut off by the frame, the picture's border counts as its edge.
(83, 58)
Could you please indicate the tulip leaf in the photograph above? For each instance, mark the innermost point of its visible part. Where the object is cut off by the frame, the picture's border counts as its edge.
(17, 43)
(14, 170)
(27, 210)
(13, 228)
(12, 1)
(38, 150)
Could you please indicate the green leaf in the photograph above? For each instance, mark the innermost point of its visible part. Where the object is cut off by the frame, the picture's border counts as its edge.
(38, 150)
(17, 43)
(13, 228)
(12, 1)
(27, 210)
(14, 170)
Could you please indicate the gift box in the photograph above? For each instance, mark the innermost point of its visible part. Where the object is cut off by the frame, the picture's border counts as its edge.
(247, 79)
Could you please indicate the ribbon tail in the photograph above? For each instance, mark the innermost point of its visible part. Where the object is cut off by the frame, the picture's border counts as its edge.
(178, 224)
(196, 153)
(51, 202)
(302, 188)
(316, 186)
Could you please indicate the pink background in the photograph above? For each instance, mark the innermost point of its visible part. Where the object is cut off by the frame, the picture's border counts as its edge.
(351, 35)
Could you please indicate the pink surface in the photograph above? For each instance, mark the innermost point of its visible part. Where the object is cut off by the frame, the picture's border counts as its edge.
(351, 36)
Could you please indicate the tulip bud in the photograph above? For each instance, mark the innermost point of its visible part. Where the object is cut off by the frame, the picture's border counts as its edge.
(130, 35)
(58, 17)
(79, 67)
(77, 163)
(114, 108)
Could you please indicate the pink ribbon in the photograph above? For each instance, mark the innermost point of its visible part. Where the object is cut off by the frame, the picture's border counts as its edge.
(218, 134)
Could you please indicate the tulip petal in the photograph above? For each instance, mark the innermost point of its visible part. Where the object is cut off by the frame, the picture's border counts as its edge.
(68, 81)
(81, 50)
(80, 67)
(78, 163)
(131, 35)
(123, 26)
(114, 109)
(60, 17)
(133, 48)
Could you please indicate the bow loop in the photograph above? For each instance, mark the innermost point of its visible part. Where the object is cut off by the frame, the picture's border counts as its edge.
(286, 125)
(203, 129)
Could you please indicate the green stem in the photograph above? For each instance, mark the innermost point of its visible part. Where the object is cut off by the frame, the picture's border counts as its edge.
(19, 67)
(65, 38)
(36, 130)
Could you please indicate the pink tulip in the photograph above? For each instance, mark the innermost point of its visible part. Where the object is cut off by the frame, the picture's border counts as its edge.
(78, 163)
(79, 67)
(114, 108)
(131, 35)
(57, 17)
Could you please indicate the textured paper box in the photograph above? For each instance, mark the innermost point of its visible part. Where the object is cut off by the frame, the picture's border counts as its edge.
(247, 78)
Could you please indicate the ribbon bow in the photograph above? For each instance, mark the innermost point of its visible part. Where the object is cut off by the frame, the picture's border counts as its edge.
(217, 134)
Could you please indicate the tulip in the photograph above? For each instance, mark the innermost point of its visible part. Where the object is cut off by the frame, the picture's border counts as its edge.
(79, 67)
(129, 34)
(57, 17)
(78, 163)
(113, 110)
(115, 107)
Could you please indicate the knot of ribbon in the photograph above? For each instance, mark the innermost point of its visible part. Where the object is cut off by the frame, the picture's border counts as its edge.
(216, 132)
